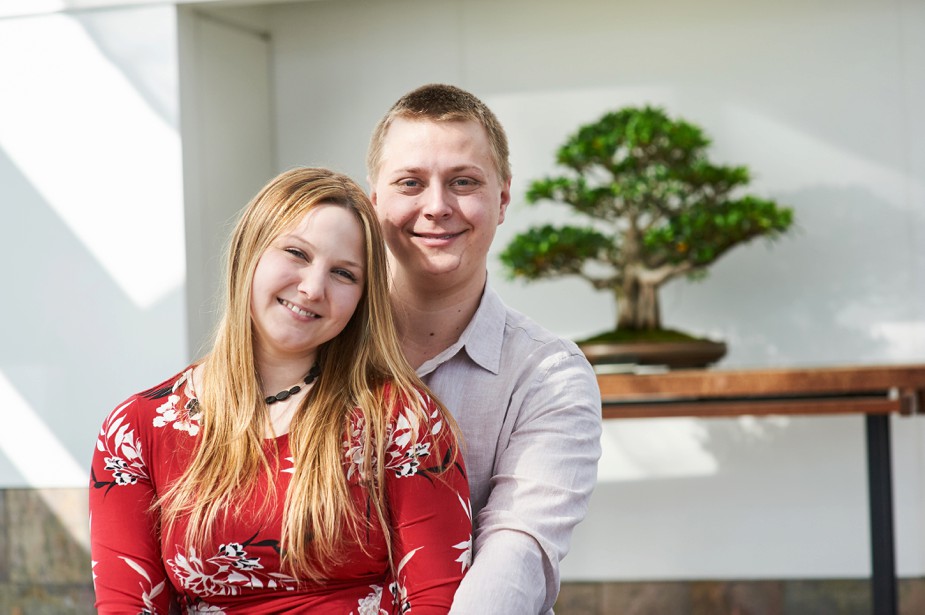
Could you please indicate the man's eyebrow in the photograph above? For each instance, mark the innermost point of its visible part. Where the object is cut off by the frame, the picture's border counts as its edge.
(409, 169)
(414, 169)
(467, 167)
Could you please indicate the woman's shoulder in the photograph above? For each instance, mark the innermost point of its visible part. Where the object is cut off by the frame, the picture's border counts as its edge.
(169, 403)
(399, 409)
(417, 435)
(414, 397)
(414, 415)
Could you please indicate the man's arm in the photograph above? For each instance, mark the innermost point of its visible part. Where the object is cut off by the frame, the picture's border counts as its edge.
(539, 491)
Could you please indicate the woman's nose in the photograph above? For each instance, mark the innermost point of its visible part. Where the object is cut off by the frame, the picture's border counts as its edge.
(312, 284)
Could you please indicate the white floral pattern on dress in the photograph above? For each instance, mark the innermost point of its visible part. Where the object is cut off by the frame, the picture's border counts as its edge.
(465, 558)
(185, 418)
(124, 458)
(370, 604)
(226, 573)
(403, 454)
(291, 468)
(148, 592)
(397, 588)
(404, 457)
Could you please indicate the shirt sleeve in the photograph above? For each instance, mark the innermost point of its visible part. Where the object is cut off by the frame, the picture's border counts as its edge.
(128, 573)
(540, 490)
(428, 496)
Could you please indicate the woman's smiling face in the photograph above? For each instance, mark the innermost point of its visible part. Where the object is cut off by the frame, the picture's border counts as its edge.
(307, 284)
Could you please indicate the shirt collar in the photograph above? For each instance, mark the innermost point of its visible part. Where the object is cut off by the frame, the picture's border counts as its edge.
(482, 338)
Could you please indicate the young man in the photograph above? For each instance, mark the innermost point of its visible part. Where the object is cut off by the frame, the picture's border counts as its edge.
(527, 401)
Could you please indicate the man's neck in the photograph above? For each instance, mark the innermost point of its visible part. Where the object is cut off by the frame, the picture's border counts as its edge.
(430, 318)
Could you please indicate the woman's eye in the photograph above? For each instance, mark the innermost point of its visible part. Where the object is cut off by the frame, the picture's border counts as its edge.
(296, 253)
(345, 274)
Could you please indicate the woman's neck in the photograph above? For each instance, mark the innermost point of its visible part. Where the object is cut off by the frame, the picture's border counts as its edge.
(280, 373)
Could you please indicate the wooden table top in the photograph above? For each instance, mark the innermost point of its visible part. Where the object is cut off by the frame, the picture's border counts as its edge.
(876, 389)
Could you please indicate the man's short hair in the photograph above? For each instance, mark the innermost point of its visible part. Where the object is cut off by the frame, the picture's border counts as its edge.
(437, 102)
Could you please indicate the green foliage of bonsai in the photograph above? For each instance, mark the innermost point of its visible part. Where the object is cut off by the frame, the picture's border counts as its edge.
(656, 209)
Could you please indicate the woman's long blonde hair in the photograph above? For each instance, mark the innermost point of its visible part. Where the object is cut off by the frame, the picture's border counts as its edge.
(355, 367)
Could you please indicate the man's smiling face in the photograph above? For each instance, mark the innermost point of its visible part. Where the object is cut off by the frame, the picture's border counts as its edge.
(439, 197)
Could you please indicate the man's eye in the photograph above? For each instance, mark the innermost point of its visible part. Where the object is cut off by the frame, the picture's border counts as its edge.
(465, 183)
(409, 183)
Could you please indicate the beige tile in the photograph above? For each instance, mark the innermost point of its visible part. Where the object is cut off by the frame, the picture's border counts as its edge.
(579, 599)
(755, 597)
(4, 541)
(657, 598)
(708, 598)
(912, 596)
(776, 597)
(827, 597)
(46, 599)
(46, 536)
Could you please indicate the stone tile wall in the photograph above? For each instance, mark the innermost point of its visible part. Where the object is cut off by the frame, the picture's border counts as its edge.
(44, 552)
(797, 597)
(45, 570)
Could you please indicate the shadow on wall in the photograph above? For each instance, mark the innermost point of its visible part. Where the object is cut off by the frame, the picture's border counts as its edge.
(74, 344)
(43, 569)
(839, 290)
(93, 308)
(125, 39)
(680, 525)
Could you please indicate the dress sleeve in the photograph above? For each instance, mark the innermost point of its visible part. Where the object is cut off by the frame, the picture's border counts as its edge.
(428, 499)
(128, 572)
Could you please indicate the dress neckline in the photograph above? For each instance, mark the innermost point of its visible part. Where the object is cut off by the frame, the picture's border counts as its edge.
(191, 375)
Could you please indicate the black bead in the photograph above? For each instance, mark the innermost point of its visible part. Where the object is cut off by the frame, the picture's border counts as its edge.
(309, 378)
(312, 374)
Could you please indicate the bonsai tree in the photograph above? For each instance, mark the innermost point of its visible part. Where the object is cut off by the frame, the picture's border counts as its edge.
(656, 209)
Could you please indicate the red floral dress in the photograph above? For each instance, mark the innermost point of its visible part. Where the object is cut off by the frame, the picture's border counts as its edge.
(147, 441)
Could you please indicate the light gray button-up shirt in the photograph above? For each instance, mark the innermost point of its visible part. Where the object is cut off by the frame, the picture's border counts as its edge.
(529, 408)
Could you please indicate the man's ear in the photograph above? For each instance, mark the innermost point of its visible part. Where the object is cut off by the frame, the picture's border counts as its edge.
(505, 199)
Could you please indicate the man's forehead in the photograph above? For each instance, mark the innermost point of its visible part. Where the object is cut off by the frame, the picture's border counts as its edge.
(462, 134)
(404, 125)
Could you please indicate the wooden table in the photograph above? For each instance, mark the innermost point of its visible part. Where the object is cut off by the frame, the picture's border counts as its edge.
(875, 392)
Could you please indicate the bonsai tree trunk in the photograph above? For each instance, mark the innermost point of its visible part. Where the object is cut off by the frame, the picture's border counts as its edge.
(637, 305)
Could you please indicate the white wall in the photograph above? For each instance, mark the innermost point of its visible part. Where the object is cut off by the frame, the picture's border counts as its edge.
(228, 151)
(822, 103)
(91, 239)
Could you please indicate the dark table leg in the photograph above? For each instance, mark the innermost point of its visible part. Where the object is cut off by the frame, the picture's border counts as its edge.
(880, 486)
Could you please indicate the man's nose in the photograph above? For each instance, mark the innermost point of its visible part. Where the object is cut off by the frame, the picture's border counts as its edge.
(437, 203)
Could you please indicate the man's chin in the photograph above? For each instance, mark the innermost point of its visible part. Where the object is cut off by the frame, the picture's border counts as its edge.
(437, 266)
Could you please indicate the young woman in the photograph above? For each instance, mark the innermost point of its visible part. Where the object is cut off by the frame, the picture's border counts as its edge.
(301, 466)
